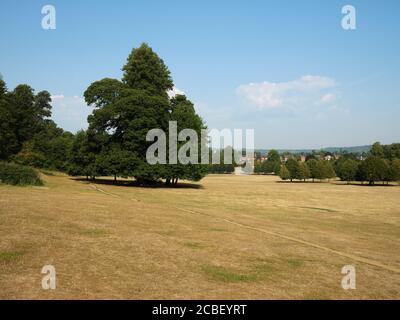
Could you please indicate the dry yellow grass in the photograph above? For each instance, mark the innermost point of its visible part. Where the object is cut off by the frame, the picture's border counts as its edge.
(236, 237)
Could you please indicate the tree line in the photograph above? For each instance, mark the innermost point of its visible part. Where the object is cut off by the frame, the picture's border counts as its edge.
(27, 134)
(124, 110)
(381, 165)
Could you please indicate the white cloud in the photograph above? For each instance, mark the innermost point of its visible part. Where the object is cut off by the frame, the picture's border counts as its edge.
(290, 94)
(57, 97)
(174, 92)
(70, 113)
(327, 98)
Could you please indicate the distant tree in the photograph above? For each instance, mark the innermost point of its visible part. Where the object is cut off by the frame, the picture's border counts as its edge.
(327, 172)
(377, 150)
(392, 151)
(294, 169)
(347, 170)
(304, 171)
(277, 168)
(284, 173)
(373, 169)
(273, 161)
(226, 168)
(394, 170)
(315, 169)
(273, 156)
(257, 167)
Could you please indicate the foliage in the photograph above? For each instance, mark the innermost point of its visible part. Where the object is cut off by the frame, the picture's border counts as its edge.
(347, 170)
(15, 174)
(373, 169)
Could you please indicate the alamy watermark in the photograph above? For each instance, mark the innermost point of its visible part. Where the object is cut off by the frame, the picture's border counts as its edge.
(196, 150)
(49, 20)
(349, 280)
(49, 280)
(349, 19)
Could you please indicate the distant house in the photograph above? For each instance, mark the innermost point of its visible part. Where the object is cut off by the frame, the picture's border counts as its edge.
(302, 158)
(328, 156)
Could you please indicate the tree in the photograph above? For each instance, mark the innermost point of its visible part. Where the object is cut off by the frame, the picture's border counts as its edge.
(184, 114)
(48, 148)
(81, 162)
(394, 170)
(392, 151)
(347, 170)
(103, 92)
(277, 168)
(373, 169)
(125, 111)
(8, 140)
(273, 161)
(315, 169)
(112, 161)
(304, 171)
(284, 173)
(377, 150)
(327, 170)
(144, 70)
(23, 115)
(294, 169)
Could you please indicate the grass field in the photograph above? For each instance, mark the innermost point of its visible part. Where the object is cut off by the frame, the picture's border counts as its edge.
(228, 237)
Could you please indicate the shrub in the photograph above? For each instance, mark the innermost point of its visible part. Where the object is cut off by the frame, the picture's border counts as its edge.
(15, 174)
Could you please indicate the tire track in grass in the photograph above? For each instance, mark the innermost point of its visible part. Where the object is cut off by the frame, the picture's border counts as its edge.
(307, 243)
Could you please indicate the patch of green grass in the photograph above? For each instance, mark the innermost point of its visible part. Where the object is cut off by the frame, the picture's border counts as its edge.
(10, 256)
(294, 262)
(94, 232)
(223, 274)
(264, 268)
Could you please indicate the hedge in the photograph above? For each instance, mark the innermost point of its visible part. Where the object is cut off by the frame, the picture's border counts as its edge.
(16, 174)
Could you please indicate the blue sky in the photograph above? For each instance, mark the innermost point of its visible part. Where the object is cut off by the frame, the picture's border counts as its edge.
(285, 68)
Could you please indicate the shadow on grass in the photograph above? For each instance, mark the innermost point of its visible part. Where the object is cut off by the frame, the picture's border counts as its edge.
(134, 183)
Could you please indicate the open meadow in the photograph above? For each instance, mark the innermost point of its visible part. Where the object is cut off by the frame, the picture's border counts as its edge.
(228, 237)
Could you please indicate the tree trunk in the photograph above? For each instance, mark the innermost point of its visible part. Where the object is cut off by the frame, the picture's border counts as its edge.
(168, 181)
(115, 178)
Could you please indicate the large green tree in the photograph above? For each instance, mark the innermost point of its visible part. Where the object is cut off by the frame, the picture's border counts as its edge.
(125, 111)
(23, 115)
